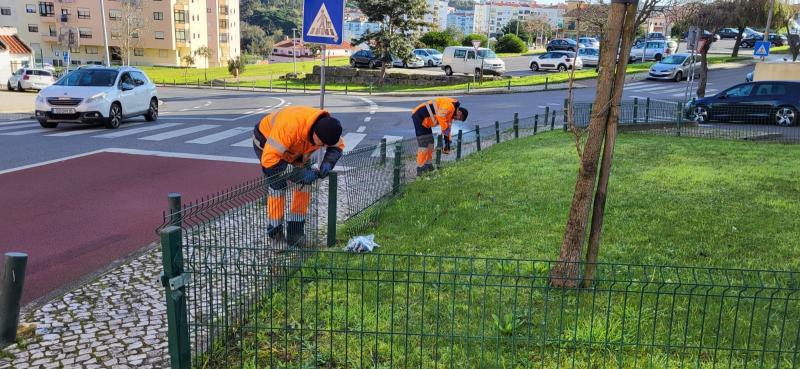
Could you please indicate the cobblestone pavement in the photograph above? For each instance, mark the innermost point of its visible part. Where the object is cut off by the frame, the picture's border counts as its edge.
(118, 321)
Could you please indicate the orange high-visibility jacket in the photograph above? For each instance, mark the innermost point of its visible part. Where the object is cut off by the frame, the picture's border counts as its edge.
(441, 108)
(288, 135)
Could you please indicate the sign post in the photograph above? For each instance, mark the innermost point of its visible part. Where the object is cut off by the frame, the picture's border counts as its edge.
(323, 22)
(476, 44)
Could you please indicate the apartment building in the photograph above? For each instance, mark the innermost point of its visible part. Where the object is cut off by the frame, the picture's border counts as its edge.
(436, 15)
(142, 32)
(492, 15)
(461, 19)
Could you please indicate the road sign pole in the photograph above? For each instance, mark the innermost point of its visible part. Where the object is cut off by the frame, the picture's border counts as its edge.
(322, 79)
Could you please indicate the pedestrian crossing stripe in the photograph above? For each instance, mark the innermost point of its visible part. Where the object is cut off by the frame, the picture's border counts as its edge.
(322, 26)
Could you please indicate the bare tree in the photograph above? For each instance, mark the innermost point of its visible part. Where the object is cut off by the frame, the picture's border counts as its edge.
(710, 17)
(747, 12)
(130, 26)
(537, 26)
(590, 19)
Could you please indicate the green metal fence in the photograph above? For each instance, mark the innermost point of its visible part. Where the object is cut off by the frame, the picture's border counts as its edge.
(238, 299)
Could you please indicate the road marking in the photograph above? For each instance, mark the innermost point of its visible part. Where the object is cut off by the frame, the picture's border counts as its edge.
(389, 147)
(554, 104)
(179, 132)
(244, 143)
(20, 133)
(634, 84)
(249, 112)
(184, 109)
(351, 140)
(361, 129)
(220, 136)
(367, 119)
(76, 132)
(134, 131)
(207, 103)
(17, 127)
(16, 122)
(39, 164)
(181, 155)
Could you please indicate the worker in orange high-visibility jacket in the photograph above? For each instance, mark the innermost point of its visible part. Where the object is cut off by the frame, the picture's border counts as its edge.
(437, 112)
(288, 137)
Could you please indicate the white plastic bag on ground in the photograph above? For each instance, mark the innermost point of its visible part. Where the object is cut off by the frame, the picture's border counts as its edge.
(361, 244)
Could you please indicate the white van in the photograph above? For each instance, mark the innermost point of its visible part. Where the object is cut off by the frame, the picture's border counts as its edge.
(463, 59)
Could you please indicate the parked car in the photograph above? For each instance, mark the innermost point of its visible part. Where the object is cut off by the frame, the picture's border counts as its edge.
(705, 36)
(431, 57)
(656, 36)
(774, 40)
(774, 102)
(365, 58)
(675, 67)
(728, 33)
(30, 79)
(653, 50)
(98, 95)
(590, 56)
(411, 62)
(464, 59)
(589, 42)
(565, 44)
(556, 60)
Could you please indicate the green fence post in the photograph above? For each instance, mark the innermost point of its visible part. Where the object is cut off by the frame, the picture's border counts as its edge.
(478, 136)
(438, 151)
(566, 122)
(224, 83)
(459, 139)
(174, 83)
(516, 125)
(547, 115)
(647, 111)
(497, 131)
(254, 86)
(304, 86)
(535, 124)
(468, 87)
(333, 183)
(286, 85)
(198, 83)
(174, 281)
(383, 151)
(546, 79)
(509, 85)
(174, 202)
(398, 166)
(346, 87)
(270, 83)
(678, 117)
(370, 88)
(11, 294)
(635, 110)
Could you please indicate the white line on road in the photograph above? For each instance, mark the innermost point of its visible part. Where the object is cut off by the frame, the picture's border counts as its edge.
(184, 109)
(351, 140)
(26, 125)
(134, 131)
(361, 129)
(34, 165)
(76, 132)
(207, 103)
(179, 132)
(20, 133)
(554, 104)
(16, 122)
(367, 119)
(244, 143)
(184, 155)
(220, 136)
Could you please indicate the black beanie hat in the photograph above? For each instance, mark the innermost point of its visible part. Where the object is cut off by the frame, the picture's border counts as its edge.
(464, 114)
(328, 129)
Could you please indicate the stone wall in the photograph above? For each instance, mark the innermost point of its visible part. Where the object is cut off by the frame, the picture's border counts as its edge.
(359, 76)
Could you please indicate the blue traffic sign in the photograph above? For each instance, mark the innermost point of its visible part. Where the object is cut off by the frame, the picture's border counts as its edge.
(761, 48)
(323, 21)
(66, 56)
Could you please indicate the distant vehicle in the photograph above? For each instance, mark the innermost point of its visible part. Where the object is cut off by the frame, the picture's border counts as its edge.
(464, 59)
(589, 42)
(774, 40)
(98, 95)
(705, 36)
(728, 33)
(412, 62)
(675, 67)
(749, 32)
(656, 36)
(366, 58)
(556, 60)
(774, 102)
(748, 77)
(590, 56)
(431, 57)
(653, 50)
(30, 79)
(565, 44)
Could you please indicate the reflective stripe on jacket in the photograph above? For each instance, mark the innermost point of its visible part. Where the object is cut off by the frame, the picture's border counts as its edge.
(286, 135)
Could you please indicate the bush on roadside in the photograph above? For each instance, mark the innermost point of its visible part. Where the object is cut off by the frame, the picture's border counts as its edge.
(511, 44)
(438, 40)
(468, 40)
(236, 66)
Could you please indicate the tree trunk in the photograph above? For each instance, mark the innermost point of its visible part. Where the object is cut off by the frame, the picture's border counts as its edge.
(738, 43)
(382, 75)
(566, 273)
(794, 46)
(598, 209)
(701, 84)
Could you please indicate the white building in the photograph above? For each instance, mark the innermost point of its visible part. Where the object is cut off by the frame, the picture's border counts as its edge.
(354, 29)
(461, 19)
(14, 53)
(437, 14)
(554, 15)
(492, 15)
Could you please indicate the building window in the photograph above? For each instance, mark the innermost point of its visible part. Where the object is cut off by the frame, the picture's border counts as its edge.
(180, 16)
(223, 23)
(138, 52)
(84, 13)
(159, 35)
(91, 50)
(5, 11)
(223, 37)
(33, 28)
(52, 28)
(115, 35)
(114, 14)
(85, 32)
(75, 50)
(223, 9)
(158, 16)
(30, 8)
(66, 11)
(180, 35)
(135, 35)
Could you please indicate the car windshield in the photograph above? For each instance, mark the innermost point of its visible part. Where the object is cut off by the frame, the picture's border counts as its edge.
(433, 51)
(89, 78)
(487, 54)
(673, 59)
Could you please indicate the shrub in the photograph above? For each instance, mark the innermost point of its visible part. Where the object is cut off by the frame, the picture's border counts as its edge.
(511, 44)
(468, 39)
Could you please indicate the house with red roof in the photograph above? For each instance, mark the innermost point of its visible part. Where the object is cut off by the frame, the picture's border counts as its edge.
(14, 53)
(285, 50)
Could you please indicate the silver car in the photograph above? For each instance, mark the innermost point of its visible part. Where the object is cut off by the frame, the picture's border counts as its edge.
(589, 55)
(675, 67)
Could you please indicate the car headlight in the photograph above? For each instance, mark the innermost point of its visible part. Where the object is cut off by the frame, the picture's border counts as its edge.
(96, 98)
(40, 99)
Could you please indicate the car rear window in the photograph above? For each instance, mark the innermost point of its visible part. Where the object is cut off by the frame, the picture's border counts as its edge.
(38, 73)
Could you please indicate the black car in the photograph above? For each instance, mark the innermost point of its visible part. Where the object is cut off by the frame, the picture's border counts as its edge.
(772, 102)
(366, 58)
(705, 36)
(728, 33)
(563, 44)
(774, 40)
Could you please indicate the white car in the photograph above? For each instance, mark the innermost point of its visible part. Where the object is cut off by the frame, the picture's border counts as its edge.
(98, 95)
(589, 56)
(431, 57)
(655, 50)
(412, 62)
(556, 60)
(30, 79)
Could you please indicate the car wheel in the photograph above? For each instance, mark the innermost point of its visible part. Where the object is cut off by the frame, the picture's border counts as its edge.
(535, 67)
(562, 68)
(19, 87)
(405, 65)
(658, 57)
(152, 113)
(448, 71)
(46, 124)
(114, 116)
(371, 65)
(785, 116)
(678, 76)
(699, 114)
(430, 63)
(9, 87)
(352, 63)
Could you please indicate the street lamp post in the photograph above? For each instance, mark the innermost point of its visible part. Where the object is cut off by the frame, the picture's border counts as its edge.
(105, 32)
(294, 51)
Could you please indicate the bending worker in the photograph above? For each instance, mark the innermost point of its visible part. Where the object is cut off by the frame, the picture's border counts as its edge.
(290, 136)
(437, 112)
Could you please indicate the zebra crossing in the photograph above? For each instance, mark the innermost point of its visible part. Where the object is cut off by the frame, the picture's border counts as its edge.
(667, 89)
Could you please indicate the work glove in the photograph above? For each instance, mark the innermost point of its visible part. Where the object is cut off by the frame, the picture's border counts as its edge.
(446, 148)
(332, 155)
(324, 169)
(273, 172)
(309, 176)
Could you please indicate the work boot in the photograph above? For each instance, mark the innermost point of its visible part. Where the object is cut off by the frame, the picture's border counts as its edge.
(295, 236)
(424, 169)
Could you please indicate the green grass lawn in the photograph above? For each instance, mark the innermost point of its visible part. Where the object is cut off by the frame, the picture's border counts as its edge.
(672, 201)
(255, 71)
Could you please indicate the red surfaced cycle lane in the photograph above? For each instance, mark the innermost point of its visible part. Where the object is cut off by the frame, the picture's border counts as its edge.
(75, 217)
